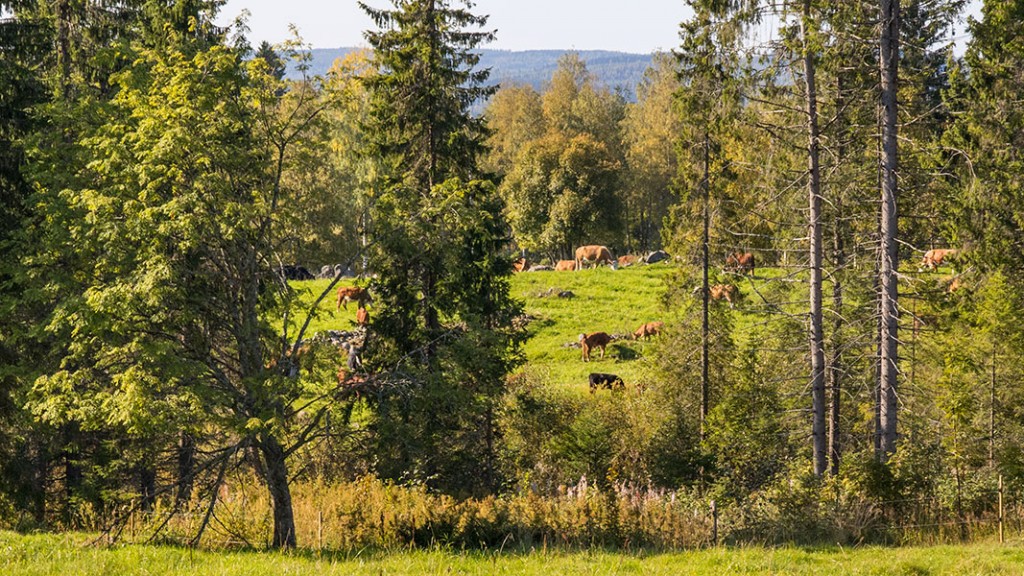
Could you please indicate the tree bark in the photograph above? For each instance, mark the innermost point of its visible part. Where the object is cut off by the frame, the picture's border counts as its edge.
(274, 459)
(835, 368)
(814, 200)
(889, 266)
(186, 468)
(705, 384)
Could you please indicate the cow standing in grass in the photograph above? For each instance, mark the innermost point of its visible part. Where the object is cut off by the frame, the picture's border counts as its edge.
(593, 340)
(593, 253)
(348, 294)
(608, 381)
(741, 262)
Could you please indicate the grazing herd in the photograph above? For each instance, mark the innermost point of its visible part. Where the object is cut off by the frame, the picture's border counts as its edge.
(742, 263)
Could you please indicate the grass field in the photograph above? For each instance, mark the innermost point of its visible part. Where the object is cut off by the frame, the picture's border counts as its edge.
(606, 300)
(72, 555)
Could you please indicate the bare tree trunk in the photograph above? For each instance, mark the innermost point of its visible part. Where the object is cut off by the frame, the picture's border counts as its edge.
(40, 479)
(889, 268)
(705, 293)
(992, 414)
(63, 21)
(147, 486)
(835, 363)
(274, 459)
(814, 199)
(186, 468)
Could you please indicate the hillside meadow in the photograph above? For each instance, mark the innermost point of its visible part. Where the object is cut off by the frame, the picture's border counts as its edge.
(606, 300)
(74, 554)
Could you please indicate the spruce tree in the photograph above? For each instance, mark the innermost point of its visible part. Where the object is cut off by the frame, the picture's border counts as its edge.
(442, 338)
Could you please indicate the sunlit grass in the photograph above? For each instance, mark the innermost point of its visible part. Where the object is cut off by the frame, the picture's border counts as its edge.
(72, 555)
(606, 300)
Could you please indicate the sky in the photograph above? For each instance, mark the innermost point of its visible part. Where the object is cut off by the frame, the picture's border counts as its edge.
(638, 26)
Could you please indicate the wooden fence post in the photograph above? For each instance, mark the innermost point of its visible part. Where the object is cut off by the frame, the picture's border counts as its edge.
(1000, 508)
(714, 523)
(319, 531)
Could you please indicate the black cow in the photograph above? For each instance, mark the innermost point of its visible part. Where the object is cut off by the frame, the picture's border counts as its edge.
(295, 272)
(609, 381)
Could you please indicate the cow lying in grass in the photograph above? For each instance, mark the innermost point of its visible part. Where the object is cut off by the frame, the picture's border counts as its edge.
(647, 330)
(627, 260)
(565, 266)
(608, 381)
(593, 340)
(727, 292)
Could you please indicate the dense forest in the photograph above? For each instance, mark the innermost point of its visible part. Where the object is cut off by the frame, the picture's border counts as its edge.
(165, 185)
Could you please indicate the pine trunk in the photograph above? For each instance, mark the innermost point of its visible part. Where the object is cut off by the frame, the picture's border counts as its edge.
(814, 200)
(889, 266)
(705, 384)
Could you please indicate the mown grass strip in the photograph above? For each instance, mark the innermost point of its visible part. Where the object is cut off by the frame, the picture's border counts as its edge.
(72, 555)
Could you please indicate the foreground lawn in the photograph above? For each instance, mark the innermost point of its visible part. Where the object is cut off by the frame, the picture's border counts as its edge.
(71, 555)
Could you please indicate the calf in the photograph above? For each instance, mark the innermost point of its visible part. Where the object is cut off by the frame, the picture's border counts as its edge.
(609, 381)
(647, 330)
(362, 317)
(627, 260)
(742, 262)
(593, 340)
(565, 265)
(348, 294)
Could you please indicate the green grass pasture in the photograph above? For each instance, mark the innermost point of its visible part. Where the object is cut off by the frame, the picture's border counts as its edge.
(72, 555)
(606, 300)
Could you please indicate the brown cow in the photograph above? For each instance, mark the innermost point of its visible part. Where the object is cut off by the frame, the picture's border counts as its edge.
(520, 265)
(348, 294)
(565, 265)
(647, 330)
(593, 340)
(726, 292)
(934, 258)
(627, 260)
(954, 284)
(362, 316)
(592, 253)
(742, 262)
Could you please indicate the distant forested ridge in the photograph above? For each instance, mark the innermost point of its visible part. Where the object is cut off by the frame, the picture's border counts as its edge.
(614, 70)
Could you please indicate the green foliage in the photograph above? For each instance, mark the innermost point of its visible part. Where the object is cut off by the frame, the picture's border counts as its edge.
(561, 194)
(443, 335)
(562, 177)
(745, 434)
(650, 129)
